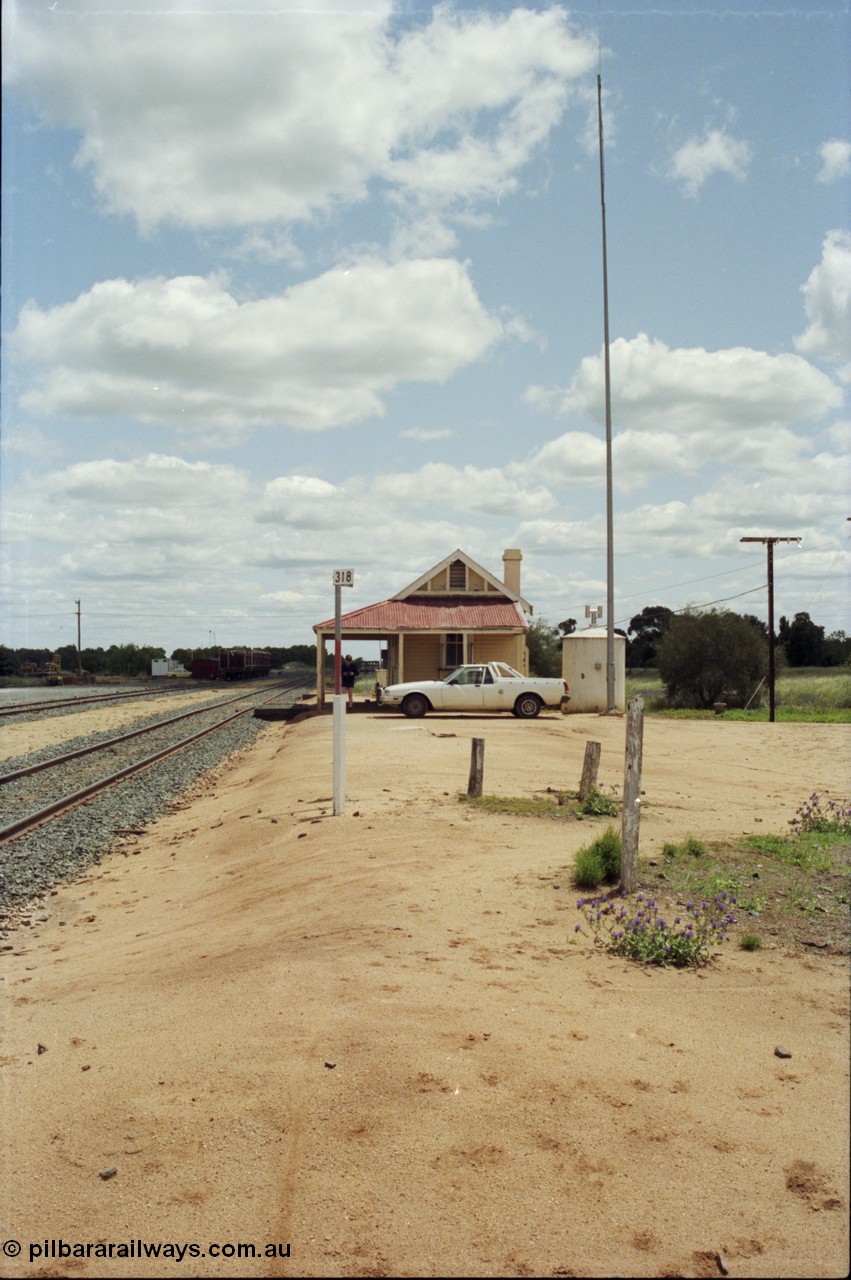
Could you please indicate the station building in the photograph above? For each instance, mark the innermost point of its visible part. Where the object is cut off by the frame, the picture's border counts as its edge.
(455, 612)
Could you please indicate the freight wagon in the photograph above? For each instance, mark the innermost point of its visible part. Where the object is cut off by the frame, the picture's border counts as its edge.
(233, 664)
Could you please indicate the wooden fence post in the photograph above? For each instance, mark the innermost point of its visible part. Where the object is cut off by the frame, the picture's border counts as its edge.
(477, 767)
(589, 769)
(632, 794)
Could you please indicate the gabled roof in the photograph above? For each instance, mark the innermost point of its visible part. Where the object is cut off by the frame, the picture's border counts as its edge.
(458, 554)
(449, 613)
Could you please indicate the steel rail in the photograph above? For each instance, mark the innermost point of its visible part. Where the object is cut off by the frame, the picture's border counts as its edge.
(35, 707)
(40, 816)
(29, 770)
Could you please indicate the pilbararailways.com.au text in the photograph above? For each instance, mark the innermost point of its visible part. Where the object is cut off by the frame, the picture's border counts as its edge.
(145, 1249)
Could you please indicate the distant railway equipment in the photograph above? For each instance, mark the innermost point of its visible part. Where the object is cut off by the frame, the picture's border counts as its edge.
(233, 664)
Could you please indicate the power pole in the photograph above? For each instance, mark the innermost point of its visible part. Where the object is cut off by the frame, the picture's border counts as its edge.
(769, 543)
(610, 555)
(79, 649)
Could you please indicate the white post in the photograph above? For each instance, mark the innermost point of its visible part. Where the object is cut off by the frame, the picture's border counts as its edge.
(341, 578)
(339, 753)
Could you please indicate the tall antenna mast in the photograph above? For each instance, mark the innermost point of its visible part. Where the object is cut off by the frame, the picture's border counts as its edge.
(610, 555)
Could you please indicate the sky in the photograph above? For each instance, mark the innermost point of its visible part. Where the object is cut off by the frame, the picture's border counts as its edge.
(292, 287)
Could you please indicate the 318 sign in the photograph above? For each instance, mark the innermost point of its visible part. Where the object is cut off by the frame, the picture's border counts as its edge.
(343, 577)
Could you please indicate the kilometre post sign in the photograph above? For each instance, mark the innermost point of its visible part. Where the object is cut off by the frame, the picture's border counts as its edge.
(344, 577)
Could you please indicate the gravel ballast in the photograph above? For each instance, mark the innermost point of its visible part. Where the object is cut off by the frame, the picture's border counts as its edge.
(61, 850)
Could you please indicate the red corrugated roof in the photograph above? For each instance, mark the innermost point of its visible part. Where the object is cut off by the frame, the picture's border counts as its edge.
(442, 615)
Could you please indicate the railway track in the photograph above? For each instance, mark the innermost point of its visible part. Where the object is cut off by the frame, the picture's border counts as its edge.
(70, 777)
(63, 758)
(35, 709)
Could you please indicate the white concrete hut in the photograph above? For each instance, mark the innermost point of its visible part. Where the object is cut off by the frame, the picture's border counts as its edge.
(583, 665)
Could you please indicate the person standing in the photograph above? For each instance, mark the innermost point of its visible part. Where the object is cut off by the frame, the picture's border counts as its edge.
(348, 676)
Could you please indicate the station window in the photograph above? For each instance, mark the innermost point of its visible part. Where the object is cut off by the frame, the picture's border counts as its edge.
(454, 650)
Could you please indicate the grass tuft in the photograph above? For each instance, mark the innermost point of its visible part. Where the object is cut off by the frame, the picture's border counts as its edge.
(688, 848)
(598, 862)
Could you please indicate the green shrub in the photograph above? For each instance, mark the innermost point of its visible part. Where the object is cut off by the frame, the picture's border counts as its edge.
(750, 942)
(707, 656)
(588, 869)
(598, 804)
(599, 861)
(608, 846)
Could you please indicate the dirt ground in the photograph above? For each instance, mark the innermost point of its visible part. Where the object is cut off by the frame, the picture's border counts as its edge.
(376, 1038)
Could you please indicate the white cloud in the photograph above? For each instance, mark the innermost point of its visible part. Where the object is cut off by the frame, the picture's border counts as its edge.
(310, 503)
(485, 491)
(680, 411)
(575, 458)
(840, 436)
(29, 443)
(560, 537)
(835, 160)
(157, 480)
(225, 115)
(155, 524)
(716, 152)
(719, 396)
(157, 499)
(426, 434)
(712, 522)
(207, 541)
(307, 502)
(640, 456)
(827, 300)
(185, 352)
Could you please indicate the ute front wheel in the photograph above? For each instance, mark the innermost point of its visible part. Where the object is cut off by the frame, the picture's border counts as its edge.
(415, 706)
(527, 706)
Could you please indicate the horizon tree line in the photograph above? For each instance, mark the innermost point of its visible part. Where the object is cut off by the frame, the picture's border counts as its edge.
(799, 642)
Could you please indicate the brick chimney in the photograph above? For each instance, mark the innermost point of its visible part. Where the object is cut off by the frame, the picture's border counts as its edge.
(511, 558)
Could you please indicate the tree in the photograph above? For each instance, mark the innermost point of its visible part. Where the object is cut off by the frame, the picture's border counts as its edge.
(131, 660)
(94, 661)
(711, 656)
(9, 662)
(68, 657)
(305, 654)
(802, 640)
(761, 627)
(544, 644)
(647, 629)
(837, 649)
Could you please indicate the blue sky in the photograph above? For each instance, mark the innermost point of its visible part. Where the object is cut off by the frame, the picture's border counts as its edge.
(291, 287)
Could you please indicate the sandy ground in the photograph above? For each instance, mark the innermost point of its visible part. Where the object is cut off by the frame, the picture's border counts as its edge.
(375, 1037)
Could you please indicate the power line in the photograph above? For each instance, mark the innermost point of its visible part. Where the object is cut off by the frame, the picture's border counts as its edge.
(722, 600)
(833, 565)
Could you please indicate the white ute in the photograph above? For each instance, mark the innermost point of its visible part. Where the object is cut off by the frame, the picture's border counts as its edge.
(485, 686)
